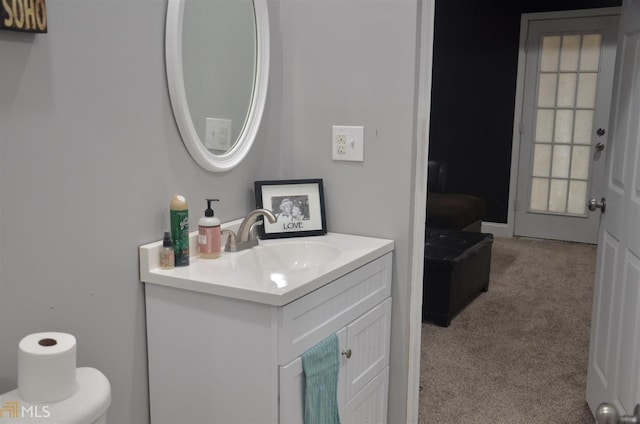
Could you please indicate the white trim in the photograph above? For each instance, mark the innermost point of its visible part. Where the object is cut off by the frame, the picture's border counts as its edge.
(497, 229)
(569, 14)
(517, 118)
(517, 115)
(177, 93)
(426, 25)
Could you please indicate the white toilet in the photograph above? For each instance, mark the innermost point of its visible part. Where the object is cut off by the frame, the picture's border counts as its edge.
(88, 405)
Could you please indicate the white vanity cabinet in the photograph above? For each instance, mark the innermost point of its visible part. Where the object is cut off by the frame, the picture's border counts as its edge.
(216, 359)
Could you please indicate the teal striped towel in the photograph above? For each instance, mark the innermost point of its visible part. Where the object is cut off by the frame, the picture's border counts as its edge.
(321, 365)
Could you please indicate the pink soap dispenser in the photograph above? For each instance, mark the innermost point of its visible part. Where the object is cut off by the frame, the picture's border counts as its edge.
(209, 233)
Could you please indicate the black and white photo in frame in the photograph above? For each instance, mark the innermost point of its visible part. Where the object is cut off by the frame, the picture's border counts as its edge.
(297, 204)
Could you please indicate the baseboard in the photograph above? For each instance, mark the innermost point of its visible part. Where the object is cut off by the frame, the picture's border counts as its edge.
(496, 228)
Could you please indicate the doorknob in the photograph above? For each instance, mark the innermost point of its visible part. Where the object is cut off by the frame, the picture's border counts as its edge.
(593, 204)
(600, 132)
(608, 414)
(599, 147)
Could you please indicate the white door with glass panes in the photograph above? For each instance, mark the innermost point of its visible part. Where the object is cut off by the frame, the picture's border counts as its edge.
(564, 127)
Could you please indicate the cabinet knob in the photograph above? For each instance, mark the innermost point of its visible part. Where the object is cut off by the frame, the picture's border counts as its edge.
(347, 353)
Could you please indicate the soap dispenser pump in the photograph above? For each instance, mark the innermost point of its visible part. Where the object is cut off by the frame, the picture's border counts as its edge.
(209, 233)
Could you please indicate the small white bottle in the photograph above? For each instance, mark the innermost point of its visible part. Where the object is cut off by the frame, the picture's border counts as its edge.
(167, 257)
(209, 233)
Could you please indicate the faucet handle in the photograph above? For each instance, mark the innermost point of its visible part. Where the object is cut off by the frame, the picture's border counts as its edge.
(231, 244)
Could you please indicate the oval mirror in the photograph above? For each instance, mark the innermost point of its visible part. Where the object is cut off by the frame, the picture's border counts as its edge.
(217, 59)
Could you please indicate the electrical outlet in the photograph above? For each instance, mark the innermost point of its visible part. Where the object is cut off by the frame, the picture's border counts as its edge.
(347, 143)
(218, 134)
(341, 143)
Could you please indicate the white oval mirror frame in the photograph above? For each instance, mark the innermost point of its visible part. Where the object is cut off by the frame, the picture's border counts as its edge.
(177, 93)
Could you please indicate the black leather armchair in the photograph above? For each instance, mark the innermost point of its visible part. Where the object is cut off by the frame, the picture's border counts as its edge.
(460, 212)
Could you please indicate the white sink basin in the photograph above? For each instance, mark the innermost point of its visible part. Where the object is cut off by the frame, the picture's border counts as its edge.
(287, 256)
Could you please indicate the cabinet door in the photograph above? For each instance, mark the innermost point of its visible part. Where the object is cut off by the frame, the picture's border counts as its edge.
(292, 386)
(364, 372)
(370, 404)
(368, 339)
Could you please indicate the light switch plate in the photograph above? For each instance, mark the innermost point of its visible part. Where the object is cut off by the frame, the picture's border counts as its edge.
(218, 134)
(347, 143)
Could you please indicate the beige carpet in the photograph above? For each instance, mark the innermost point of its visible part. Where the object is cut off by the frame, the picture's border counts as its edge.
(518, 353)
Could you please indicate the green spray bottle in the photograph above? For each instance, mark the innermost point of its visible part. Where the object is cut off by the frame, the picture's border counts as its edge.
(179, 212)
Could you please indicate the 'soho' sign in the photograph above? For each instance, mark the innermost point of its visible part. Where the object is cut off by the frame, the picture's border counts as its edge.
(23, 15)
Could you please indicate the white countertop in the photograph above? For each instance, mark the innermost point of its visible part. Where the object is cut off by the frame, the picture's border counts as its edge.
(225, 277)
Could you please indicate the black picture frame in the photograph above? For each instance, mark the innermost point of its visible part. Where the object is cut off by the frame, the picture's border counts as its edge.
(297, 204)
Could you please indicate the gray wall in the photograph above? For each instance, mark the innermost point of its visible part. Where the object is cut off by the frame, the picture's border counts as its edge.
(353, 63)
(90, 157)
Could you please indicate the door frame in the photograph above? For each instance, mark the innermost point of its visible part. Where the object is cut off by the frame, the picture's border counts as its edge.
(425, 35)
(508, 229)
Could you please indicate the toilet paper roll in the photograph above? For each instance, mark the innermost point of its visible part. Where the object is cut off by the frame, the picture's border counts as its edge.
(47, 367)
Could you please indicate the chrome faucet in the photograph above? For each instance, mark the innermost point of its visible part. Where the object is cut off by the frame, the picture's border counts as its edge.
(246, 237)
